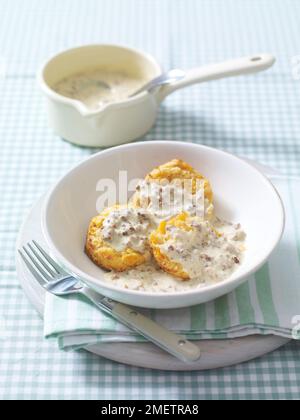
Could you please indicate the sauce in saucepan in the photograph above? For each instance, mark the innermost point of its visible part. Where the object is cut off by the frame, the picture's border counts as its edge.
(97, 88)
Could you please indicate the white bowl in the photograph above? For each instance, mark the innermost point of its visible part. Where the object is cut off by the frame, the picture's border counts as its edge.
(242, 194)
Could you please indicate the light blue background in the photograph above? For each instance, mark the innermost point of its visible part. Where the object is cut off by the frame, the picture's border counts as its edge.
(257, 117)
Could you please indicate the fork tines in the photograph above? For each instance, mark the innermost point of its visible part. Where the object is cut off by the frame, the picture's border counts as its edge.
(40, 264)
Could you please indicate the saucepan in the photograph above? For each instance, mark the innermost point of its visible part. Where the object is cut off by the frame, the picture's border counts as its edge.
(126, 120)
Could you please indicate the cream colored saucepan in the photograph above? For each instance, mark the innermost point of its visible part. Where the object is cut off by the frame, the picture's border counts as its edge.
(129, 119)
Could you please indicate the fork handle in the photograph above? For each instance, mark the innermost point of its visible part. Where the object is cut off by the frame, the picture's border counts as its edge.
(172, 343)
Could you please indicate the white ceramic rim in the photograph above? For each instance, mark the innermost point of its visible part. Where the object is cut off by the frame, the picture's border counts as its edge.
(77, 104)
(91, 280)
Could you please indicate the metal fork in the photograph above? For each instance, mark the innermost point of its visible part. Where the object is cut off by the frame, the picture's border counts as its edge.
(54, 279)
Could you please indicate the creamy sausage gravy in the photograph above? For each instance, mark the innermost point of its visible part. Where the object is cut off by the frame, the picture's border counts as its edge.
(209, 253)
(97, 88)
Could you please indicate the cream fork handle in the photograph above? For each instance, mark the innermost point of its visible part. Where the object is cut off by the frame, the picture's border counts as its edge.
(173, 343)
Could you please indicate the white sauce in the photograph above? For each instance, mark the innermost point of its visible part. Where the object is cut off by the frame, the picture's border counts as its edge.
(96, 88)
(128, 228)
(150, 278)
(202, 252)
(206, 256)
(214, 259)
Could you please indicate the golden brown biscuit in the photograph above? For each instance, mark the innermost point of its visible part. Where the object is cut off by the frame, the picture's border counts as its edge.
(100, 248)
(162, 235)
(177, 170)
(159, 237)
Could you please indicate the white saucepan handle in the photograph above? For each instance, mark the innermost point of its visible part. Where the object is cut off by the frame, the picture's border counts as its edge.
(236, 67)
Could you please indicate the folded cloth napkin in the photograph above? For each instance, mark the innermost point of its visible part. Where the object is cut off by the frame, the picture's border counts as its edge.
(268, 303)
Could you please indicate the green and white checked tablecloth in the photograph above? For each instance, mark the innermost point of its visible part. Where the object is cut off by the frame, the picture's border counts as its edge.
(267, 303)
(257, 117)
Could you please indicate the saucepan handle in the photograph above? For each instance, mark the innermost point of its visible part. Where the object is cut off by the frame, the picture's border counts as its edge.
(236, 67)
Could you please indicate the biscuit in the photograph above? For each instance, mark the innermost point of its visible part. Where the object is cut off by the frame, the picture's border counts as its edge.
(159, 237)
(162, 235)
(176, 171)
(102, 251)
